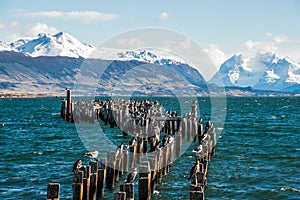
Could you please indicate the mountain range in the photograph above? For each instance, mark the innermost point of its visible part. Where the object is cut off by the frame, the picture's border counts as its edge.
(52, 62)
(266, 71)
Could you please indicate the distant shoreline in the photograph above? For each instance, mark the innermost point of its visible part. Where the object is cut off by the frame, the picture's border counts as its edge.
(62, 95)
(30, 95)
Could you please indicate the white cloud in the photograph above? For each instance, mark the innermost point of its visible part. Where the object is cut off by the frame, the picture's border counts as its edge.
(164, 15)
(278, 38)
(260, 46)
(217, 56)
(33, 30)
(84, 16)
(37, 28)
(2, 26)
(12, 24)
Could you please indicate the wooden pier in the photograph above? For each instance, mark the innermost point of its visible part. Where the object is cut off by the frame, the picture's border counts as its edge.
(156, 141)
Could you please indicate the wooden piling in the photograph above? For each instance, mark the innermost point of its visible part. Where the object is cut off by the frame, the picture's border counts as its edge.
(86, 182)
(110, 170)
(69, 111)
(144, 181)
(125, 161)
(77, 186)
(132, 156)
(53, 191)
(153, 168)
(145, 146)
(101, 182)
(119, 195)
(178, 140)
(77, 191)
(93, 180)
(196, 195)
(129, 190)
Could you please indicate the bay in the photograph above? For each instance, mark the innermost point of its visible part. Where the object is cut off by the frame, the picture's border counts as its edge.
(257, 154)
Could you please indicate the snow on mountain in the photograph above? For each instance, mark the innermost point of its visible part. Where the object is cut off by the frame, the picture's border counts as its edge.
(235, 71)
(153, 56)
(5, 47)
(60, 44)
(266, 71)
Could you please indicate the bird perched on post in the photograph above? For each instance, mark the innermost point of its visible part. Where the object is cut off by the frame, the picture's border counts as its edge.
(119, 150)
(77, 165)
(92, 154)
(131, 176)
(133, 142)
(197, 149)
(194, 169)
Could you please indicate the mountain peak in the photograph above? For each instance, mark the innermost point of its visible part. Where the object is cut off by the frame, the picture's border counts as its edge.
(265, 71)
(59, 44)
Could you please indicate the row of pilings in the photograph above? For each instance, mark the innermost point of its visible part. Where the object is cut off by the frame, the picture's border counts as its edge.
(157, 140)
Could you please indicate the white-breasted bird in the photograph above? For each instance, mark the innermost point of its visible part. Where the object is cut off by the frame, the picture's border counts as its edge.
(76, 166)
(197, 149)
(195, 169)
(92, 154)
(131, 176)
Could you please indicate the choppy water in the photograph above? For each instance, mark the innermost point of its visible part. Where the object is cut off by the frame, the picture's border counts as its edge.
(257, 155)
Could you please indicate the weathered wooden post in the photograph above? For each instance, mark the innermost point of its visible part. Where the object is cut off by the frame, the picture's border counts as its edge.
(129, 190)
(132, 156)
(184, 125)
(144, 181)
(173, 126)
(139, 152)
(110, 169)
(69, 112)
(160, 158)
(189, 129)
(118, 167)
(53, 191)
(145, 145)
(63, 109)
(195, 109)
(77, 186)
(153, 168)
(196, 195)
(101, 178)
(119, 195)
(178, 144)
(93, 180)
(199, 130)
(86, 182)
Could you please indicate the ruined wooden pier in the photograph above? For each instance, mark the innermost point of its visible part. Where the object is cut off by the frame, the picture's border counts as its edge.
(157, 138)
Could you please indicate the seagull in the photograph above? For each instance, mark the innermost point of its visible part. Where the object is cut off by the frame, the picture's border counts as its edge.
(132, 142)
(77, 165)
(119, 150)
(120, 146)
(194, 169)
(131, 176)
(92, 154)
(197, 149)
(170, 139)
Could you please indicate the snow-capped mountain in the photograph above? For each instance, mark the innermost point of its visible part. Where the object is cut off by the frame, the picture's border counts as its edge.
(266, 71)
(151, 56)
(60, 44)
(5, 47)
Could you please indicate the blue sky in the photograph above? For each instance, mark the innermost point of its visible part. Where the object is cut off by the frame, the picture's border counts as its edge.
(221, 27)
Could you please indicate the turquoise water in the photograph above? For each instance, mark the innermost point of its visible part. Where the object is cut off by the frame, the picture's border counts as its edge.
(257, 155)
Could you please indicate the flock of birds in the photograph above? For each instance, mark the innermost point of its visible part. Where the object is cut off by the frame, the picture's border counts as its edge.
(137, 109)
(198, 149)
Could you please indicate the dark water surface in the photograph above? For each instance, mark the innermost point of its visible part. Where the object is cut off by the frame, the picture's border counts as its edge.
(257, 154)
